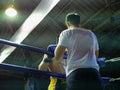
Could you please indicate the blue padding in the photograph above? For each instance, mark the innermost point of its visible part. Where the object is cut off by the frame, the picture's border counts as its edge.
(29, 70)
(105, 80)
(101, 61)
(51, 48)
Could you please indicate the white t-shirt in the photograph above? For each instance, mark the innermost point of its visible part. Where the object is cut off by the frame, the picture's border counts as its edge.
(81, 45)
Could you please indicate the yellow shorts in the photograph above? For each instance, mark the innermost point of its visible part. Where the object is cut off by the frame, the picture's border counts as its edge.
(52, 84)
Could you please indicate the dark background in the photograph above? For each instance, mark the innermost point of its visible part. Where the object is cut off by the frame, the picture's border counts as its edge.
(100, 16)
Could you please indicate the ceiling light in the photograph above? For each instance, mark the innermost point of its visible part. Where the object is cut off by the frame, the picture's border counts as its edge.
(11, 12)
(40, 12)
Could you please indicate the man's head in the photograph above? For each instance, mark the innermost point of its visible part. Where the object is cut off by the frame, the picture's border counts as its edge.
(72, 19)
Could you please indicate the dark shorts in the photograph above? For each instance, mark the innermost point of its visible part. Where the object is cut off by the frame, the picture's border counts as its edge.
(60, 84)
(84, 79)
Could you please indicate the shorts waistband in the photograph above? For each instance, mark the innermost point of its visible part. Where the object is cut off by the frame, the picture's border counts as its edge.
(60, 80)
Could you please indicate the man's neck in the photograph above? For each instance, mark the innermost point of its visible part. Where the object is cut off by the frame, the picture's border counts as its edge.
(73, 27)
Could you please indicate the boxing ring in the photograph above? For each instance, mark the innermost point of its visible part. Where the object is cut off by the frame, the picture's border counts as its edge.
(32, 74)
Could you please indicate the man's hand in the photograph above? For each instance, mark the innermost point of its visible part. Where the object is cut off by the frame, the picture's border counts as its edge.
(56, 66)
(43, 65)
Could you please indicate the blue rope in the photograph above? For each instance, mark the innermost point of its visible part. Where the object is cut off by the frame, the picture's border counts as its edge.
(31, 48)
(26, 69)
(101, 61)
(29, 70)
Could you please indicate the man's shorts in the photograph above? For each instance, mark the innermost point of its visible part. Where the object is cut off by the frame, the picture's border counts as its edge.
(57, 84)
(52, 84)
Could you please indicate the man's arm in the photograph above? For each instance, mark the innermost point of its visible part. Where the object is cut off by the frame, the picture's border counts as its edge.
(43, 65)
(59, 52)
(97, 53)
(56, 60)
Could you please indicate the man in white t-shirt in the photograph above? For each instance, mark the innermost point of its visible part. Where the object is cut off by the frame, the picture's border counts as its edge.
(82, 70)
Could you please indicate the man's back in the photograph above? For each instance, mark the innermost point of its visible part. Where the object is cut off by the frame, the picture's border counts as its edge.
(81, 44)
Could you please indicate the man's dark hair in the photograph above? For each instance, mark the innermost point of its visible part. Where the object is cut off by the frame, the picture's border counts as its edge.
(73, 18)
